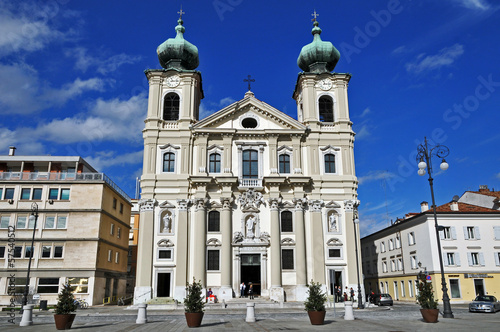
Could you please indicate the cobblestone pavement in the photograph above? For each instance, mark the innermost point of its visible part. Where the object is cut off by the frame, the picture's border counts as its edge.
(399, 318)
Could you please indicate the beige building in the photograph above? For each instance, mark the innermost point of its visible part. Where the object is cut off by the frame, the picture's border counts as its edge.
(247, 194)
(470, 245)
(81, 233)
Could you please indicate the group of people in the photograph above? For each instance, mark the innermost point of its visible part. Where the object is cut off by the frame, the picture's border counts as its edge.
(249, 292)
(348, 294)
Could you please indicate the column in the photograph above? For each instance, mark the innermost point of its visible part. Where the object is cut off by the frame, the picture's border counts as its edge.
(143, 288)
(318, 242)
(181, 257)
(226, 291)
(200, 239)
(350, 250)
(300, 250)
(276, 291)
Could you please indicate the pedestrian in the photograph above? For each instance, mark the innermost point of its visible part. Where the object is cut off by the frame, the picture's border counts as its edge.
(337, 294)
(372, 297)
(250, 292)
(352, 294)
(242, 289)
(345, 296)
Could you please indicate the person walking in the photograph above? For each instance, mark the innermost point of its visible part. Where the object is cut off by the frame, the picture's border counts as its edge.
(337, 294)
(250, 292)
(242, 289)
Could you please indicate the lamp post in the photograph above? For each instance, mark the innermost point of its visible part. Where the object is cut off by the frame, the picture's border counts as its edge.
(33, 217)
(356, 222)
(424, 156)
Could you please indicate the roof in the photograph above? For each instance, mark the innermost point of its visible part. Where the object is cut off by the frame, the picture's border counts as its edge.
(464, 208)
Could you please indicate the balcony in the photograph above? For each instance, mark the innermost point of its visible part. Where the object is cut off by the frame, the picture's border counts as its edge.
(250, 183)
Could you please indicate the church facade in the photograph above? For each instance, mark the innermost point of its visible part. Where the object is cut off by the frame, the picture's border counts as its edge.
(247, 194)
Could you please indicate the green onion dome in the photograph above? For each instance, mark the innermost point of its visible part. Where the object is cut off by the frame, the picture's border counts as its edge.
(177, 52)
(318, 56)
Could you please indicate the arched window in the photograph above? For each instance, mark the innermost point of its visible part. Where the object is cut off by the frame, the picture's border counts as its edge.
(169, 162)
(213, 221)
(284, 163)
(214, 163)
(329, 163)
(171, 107)
(325, 104)
(250, 164)
(286, 221)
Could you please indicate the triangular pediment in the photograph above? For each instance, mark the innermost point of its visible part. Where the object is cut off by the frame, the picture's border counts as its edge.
(264, 116)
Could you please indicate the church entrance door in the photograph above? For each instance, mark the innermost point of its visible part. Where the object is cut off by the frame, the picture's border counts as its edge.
(163, 289)
(250, 272)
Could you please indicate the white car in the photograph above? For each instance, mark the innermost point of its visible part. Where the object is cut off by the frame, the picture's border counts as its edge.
(484, 303)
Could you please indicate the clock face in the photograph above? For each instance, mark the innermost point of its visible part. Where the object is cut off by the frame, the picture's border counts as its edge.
(173, 81)
(325, 84)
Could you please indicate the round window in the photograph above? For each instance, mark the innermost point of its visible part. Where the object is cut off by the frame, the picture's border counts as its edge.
(249, 123)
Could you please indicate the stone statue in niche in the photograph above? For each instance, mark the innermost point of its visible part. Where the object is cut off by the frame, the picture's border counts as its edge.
(251, 227)
(167, 224)
(332, 223)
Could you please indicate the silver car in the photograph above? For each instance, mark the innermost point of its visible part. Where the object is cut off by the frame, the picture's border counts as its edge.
(484, 303)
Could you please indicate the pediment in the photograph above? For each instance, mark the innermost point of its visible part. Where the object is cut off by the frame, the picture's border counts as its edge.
(332, 204)
(266, 116)
(167, 205)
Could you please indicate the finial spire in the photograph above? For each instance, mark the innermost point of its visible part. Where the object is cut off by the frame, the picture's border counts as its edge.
(180, 13)
(315, 15)
(249, 80)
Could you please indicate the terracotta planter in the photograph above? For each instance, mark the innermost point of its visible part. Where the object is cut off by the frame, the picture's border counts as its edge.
(317, 317)
(64, 322)
(193, 319)
(430, 315)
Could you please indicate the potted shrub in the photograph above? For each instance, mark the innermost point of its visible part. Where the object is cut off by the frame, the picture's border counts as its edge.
(65, 307)
(426, 300)
(193, 304)
(315, 303)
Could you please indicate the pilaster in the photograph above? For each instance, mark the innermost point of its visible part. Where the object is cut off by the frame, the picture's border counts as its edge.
(318, 252)
(182, 250)
(199, 251)
(226, 291)
(351, 207)
(300, 249)
(276, 291)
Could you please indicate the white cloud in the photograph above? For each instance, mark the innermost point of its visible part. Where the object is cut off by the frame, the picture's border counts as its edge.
(362, 132)
(375, 175)
(498, 176)
(106, 159)
(207, 107)
(474, 4)
(365, 112)
(399, 50)
(104, 64)
(444, 57)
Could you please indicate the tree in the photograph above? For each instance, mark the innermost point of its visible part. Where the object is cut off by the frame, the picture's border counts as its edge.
(194, 301)
(66, 301)
(316, 299)
(425, 295)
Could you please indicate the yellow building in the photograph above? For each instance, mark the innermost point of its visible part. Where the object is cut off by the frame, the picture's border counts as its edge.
(81, 235)
(470, 245)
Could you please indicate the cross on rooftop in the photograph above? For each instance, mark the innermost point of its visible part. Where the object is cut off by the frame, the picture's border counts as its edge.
(315, 15)
(249, 79)
(181, 12)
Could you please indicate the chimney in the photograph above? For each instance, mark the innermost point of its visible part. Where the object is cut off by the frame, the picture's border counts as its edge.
(483, 188)
(454, 206)
(12, 150)
(424, 206)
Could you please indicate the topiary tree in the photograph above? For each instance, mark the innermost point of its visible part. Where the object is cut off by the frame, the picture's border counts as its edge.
(194, 302)
(425, 295)
(316, 299)
(66, 301)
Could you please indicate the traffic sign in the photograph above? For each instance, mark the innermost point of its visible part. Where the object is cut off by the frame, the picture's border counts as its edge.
(428, 278)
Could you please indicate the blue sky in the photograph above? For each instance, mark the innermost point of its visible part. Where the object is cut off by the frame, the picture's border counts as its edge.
(72, 81)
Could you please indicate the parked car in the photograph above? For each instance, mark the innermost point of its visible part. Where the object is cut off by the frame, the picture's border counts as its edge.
(484, 303)
(383, 299)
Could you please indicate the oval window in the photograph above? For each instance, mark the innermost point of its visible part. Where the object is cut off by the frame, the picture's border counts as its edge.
(249, 123)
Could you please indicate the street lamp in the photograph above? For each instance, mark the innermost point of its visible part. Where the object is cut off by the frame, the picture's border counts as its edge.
(424, 156)
(33, 218)
(356, 222)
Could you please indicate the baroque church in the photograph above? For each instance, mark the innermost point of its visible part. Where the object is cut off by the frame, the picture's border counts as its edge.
(247, 194)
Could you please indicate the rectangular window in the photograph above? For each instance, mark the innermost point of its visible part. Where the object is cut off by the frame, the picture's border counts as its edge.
(53, 193)
(165, 254)
(1, 193)
(334, 253)
(79, 285)
(21, 222)
(114, 203)
(50, 222)
(4, 222)
(58, 251)
(448, 233)
(121, 207)
(391, 244)
(61, 222)
(284, 163)
(450, 257)
(18, 251)
(118, 232)
(213, 221)
(2, 252)
(110, 254)
(25, 193)
(496, 231)
(382, 246)
(9, 193)
(411, 238)
(112, 230)
(213, 260)
(287, 259)
(393, 265)
(64, 194)
(403, 290)
(250, 164)
(410, 287)
(286, 221)
(48, 285)
(384, 267)
(28, 252)
(497, 258)
(329, 163)
(214, 163)
(400, 264)
(413, 260)
(398, 242)
(117, 257)
(46, 251)
(37, 194)
(19, 284)
(455, 289)
(475, 258)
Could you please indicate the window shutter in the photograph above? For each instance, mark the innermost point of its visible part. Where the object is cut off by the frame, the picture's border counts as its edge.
(481, 259)
(453, 233)
(409, 239)
(457, 259)
(496, 229)
(497, 258)
(441, 234)
(466, 234)
(469, 258)
(476, 233)
(445, 259)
